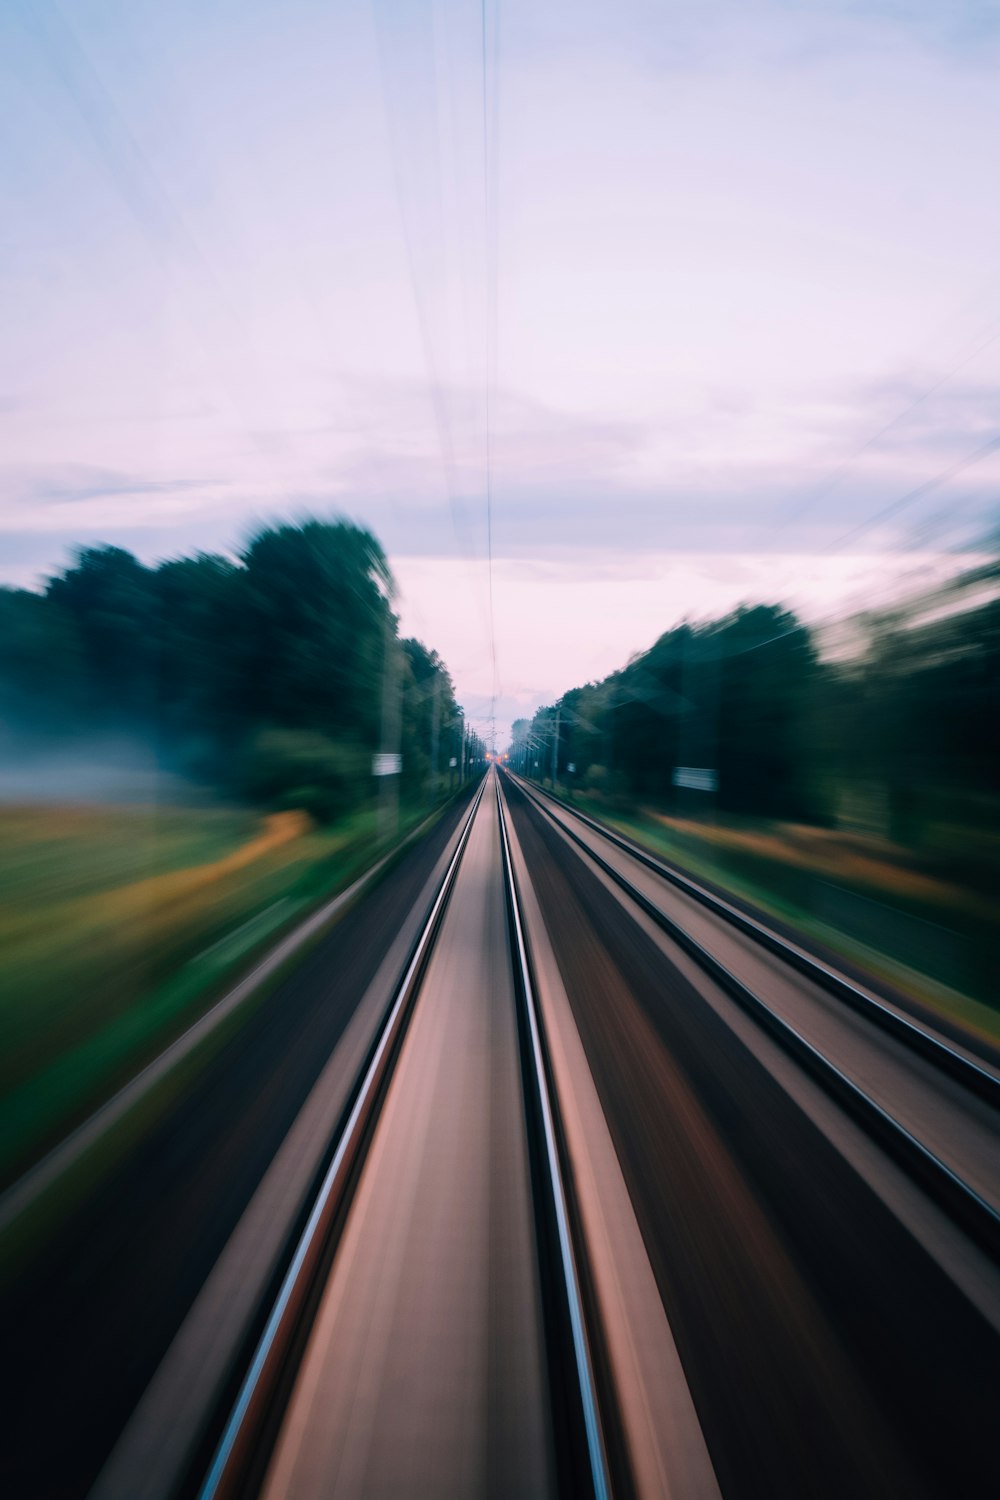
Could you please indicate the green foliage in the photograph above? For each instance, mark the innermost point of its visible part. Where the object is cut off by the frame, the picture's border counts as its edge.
(108, 601)
(919, 713)
(315, 617)
(598, 779)
(732, 695)
(286, 768)
(273, 676)
(908, 721)
(118, 925)
(41, 663)
(432, 724)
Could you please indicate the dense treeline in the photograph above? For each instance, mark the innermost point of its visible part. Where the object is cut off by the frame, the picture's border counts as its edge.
(896, 730)
(274, 676)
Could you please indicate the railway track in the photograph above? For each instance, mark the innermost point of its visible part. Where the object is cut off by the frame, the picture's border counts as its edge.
(834, 1303)
(972, 1073)
(588, 1216)
(970, 1208)
(264, 1434)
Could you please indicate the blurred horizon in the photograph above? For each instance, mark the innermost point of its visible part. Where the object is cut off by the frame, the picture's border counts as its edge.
(500, 747)
(725, 280)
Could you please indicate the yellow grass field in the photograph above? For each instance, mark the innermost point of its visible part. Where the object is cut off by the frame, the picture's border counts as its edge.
(118, 924)
(919, 931)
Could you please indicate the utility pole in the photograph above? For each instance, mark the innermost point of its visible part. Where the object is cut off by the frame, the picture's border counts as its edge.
(610, 712)
(555, 748)
(388, 802)
(435, 723)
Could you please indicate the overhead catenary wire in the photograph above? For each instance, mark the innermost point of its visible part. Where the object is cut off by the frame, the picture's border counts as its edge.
(418, 147)
(965, 462)
(836, 474)
(407, 142)
(490, 232)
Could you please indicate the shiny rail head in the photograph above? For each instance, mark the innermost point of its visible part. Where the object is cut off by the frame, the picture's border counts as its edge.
(250, 1406)
(960, 1202)
(958, 1065)
(586, 1385)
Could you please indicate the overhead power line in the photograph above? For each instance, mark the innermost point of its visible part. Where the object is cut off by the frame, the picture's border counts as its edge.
(490, 235)
(835, 474)
(916, 494)
(409, 97)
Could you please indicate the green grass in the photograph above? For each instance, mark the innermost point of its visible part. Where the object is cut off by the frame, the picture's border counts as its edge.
(938, 951)
(119, 926)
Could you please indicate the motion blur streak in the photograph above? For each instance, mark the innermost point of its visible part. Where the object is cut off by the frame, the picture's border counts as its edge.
(99, 1305)
(499, 749)
(430, 1326)
(791, 1288)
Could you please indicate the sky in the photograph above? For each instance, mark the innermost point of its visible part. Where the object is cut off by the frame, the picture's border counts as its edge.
(715, 286)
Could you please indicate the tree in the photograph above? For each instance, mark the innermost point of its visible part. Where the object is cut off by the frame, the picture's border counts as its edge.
(734, 696)
(109, 599)
(314, 612)
(265, 675)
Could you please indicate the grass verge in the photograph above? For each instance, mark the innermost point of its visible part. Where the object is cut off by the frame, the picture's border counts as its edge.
(926, 937)
(120, 926)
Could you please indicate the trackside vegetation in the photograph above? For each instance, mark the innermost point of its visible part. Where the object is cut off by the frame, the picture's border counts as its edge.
(853, 776)
(258, 688)
(271, 676)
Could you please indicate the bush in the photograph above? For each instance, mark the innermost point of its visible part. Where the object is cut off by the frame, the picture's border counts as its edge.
(286, 768)
(597, 779)
(600, 781)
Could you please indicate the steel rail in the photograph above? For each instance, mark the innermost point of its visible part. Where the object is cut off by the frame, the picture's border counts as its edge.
(957, 1065)
(961, 1202)
(234, 1447)
(586, 1387)
(36, 1179)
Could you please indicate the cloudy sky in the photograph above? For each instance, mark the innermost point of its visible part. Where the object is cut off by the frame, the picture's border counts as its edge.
(725, 275)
